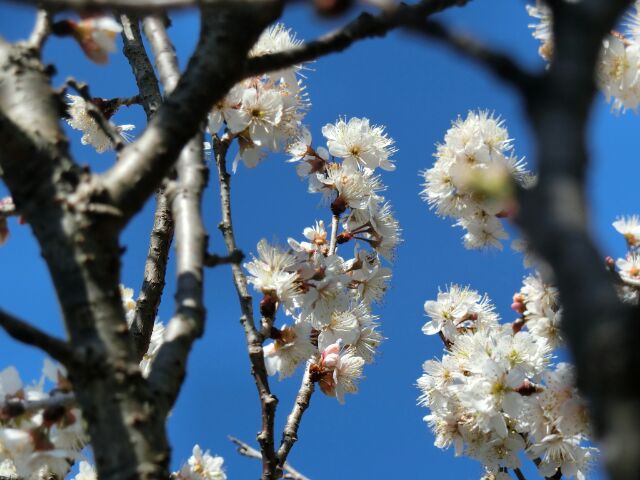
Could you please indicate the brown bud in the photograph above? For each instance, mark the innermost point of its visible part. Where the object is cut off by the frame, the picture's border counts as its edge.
(63, 28)
(53, 414)
(338, 206)
(344, 237)
(268, 306)
(518, 324)
(527, 389)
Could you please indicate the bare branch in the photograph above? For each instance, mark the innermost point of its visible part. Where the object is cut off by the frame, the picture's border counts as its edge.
(290, 432)
(26, 333)
(248, 451)
(41, 30)
(268, 401)
(365, 26)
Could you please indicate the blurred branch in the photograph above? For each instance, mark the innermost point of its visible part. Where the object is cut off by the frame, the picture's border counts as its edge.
(363, 27)
(213, 260)
(501, 64)
(41, 30)
(15, 407)
(248, 451)
(30, 335)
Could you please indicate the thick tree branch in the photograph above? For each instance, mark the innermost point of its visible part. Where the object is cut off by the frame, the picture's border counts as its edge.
(248, 451)
(268, 401)
(78, 236)
(26, 333)
(363, 27)
(145, 162)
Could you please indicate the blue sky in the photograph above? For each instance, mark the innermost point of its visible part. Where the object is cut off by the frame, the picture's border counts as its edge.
(415, 88)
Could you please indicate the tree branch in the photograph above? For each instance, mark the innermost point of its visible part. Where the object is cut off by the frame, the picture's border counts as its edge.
(248, 451)
(26, 333)
(268, 401)
(365, 26)
(185, 197)
(155, 266)
(290, 432)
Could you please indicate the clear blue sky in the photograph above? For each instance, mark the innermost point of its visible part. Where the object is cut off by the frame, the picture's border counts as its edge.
(415, 88)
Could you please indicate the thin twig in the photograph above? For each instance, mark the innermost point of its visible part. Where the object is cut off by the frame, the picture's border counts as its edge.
(213, 260)
(290, 432)
(248, 451)
(268, 401)
(30, 335)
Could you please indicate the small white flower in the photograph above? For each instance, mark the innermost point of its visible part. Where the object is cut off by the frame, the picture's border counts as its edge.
(359, 144)
(202, 466)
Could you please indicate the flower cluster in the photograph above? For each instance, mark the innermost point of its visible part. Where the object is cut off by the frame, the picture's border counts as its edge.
(265, 112)
(628, 267)
(618, 69)
(38, 442)
(472, 178)
(537, 303)
(93, 134)
(495, 393)
(329, 297)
